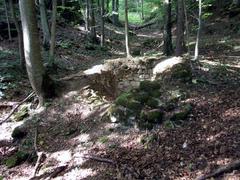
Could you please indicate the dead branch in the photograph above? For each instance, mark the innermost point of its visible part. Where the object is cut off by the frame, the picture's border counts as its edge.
(49, 175)
(132, 27)
(104, 160)
(16, 107)
(39, 154)
(225, 169)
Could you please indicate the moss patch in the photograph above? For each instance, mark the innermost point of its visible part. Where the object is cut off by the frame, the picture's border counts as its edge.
(16, 159)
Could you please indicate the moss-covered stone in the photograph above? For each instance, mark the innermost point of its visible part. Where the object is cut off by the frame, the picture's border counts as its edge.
(149, 85)
(152, 103)
(181, 113)
(123, 99)
(16, 159)
(152, 116)
(182, 72)
(134, 105)
(19, 132)
(155, 93)
(142, 96)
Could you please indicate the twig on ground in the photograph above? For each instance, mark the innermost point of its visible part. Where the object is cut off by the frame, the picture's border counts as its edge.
(16, 107)
(225, 169)
(39, 154)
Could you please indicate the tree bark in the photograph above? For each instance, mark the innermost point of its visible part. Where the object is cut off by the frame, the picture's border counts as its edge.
(167, 35)
(53, 32)
(93, 35)
(127, 30)
(180, 29)
(142, 7)
(44, 23)
(87, 10)
(196, 52)
(20, 34)
(7, 18)
(34, 63)
(102, 22)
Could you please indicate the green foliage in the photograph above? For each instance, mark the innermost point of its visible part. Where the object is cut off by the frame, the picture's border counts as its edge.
(103, 139)
(16, 159)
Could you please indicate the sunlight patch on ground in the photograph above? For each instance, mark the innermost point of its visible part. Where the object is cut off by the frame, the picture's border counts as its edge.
(78, 173)
(95, 70)
(63, 157)
(7, 128)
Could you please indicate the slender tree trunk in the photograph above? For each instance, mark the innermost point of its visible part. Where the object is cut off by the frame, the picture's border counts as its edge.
(196, 52)
(93, 35)
(87, 14)
(142, 4)
(102, 23)
(20, 34)
(127, 30)
(7, 18)
(53, 32)
(34, 64)
(167, 48)
(44, 23)
(63, 3)
(180, 29)
(107, 6)
(187, 28)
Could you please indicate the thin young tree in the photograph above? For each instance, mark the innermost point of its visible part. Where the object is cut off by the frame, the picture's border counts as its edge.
(20, 34)
(102, 22)
(180, 29)
(87, 14)
(44, 24)
(93, 35)
(196, 52)
(167, 35)
(37, 75)
(127, 30)
(142, 9)
(8, 23)
(53, 32)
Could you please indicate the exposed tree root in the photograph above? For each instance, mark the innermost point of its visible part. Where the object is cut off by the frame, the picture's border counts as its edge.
(225, 169)
(16, 107)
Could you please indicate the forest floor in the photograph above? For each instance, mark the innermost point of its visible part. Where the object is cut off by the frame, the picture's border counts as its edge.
(74, 136)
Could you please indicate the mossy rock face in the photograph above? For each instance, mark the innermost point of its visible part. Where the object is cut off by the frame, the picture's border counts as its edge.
(152, 116)
(19, 132)
(149, 85)
(16, 159)
(152, 103)
(181, 113)
(182, 72)
(134, 105)
(142, 96)
(123, 99)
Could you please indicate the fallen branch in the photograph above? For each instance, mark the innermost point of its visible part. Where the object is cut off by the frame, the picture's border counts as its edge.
(16, 107)
(39, 154)
(225, 169)
(132, 27)
(49, 175)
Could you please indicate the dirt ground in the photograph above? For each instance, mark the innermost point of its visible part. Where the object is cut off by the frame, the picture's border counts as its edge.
(76, 138)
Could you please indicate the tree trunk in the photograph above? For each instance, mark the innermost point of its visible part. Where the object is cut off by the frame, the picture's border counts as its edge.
(7, 18)
(142, 3)
(34, 63)
(115, 14)
(87, 10)
(196, 52)
(167, 35)
(93, 35)
(180, 29)
(44, 23)
(187, 28)
(107, 6)
(20, 34)
(127, 30)
(102, 22)
(53, 32)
